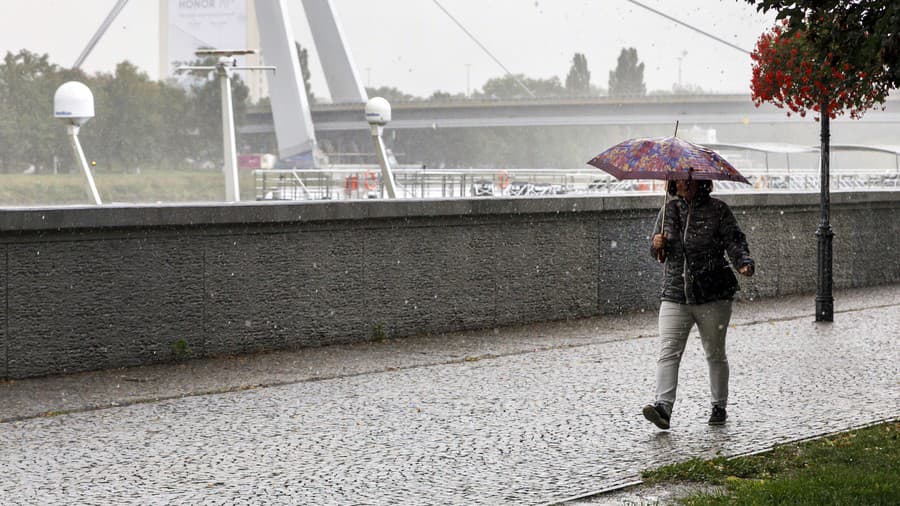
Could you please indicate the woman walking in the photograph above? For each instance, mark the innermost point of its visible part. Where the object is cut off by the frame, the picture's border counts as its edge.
(698, 289)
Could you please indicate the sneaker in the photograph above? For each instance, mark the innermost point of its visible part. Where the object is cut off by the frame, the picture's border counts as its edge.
(657, 414)
(718, 416)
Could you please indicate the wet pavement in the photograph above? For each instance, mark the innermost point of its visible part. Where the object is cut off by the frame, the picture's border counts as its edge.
(528, 415)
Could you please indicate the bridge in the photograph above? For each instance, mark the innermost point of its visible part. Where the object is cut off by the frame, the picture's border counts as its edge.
(551, 112)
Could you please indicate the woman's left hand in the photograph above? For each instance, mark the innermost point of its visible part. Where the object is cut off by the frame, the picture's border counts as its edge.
(746, 270)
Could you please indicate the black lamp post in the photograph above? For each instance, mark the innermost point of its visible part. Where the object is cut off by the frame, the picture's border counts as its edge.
(824, 299)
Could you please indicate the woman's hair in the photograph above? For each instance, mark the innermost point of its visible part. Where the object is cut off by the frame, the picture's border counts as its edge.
(672, 189)
(704, 187)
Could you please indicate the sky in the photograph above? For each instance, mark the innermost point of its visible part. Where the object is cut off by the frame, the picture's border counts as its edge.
(414, 46)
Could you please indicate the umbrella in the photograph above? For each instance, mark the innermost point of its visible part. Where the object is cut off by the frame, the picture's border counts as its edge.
(664, 158)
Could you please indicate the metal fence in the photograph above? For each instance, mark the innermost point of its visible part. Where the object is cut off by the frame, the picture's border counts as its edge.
(365, 181)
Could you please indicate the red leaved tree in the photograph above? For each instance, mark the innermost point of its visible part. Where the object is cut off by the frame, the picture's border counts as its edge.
(792, 73)
(794, 69)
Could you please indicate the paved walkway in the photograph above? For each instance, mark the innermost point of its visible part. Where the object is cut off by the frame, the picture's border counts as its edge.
(528, 415)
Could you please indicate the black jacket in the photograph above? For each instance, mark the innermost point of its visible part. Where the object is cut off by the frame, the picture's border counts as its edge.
(704, 231)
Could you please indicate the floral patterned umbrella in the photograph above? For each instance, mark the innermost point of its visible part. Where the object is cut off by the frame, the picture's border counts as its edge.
(664, 158)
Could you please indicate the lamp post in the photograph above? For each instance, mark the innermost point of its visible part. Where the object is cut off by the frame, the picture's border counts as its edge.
(468, 76)
(378, 114)
(824, 280)
(73, 103)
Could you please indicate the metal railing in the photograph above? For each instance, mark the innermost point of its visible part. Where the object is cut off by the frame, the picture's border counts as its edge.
(364, 182)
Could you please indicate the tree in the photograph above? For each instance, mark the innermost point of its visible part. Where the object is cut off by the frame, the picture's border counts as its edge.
(508, 87)
(390, 94)
(29, 135)
(139, 121)
(861, 32)
(793, 72)
(303, 55)
(793, 69)
(678, 90)
(205, 101)
(627, 80)
(446, 96)
(578, 81)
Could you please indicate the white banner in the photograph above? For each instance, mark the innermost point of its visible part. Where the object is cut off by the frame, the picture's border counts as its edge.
(195, 24)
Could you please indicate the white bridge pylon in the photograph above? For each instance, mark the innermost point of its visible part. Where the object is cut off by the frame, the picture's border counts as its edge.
(290, 110)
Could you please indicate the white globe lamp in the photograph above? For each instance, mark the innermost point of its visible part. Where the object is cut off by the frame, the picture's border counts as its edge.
(378, 114)
(73, 103)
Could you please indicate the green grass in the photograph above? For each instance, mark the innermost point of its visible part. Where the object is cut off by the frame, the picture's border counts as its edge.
(860, 467)
(150, 186)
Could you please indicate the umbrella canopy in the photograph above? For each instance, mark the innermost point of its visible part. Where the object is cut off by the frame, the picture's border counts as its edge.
(664, 158)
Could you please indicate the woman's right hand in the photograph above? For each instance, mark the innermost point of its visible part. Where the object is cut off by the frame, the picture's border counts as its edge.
(659, 244)
(659, 241)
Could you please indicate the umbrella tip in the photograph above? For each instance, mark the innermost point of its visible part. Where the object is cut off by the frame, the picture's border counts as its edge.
(676, 129)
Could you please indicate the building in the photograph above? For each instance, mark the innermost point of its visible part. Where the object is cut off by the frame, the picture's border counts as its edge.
(188, 25)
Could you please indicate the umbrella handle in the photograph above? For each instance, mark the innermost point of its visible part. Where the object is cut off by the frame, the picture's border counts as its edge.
(662, 223)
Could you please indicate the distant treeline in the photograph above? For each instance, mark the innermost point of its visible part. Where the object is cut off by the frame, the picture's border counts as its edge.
(139, 122)
(176, 124)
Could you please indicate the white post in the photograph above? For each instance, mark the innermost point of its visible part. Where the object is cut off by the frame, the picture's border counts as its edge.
(225, 66)
(232, 186)
(73, 103)
(378, 114)
(79, 154)
(387, 174)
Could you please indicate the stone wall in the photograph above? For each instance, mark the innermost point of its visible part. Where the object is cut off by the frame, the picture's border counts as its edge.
(89, 288)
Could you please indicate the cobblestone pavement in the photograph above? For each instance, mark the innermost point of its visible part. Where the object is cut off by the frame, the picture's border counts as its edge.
(534, 415)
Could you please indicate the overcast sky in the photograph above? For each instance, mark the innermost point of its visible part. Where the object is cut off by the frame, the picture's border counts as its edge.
(413, 45)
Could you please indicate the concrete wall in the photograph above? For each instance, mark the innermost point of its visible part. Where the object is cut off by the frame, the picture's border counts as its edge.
(88, 288)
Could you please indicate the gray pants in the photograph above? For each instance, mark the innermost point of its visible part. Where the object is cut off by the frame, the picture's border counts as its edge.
(675, 323)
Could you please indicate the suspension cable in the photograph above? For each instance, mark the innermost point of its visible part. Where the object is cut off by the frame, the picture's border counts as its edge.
(682, 23)
(483, 48)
